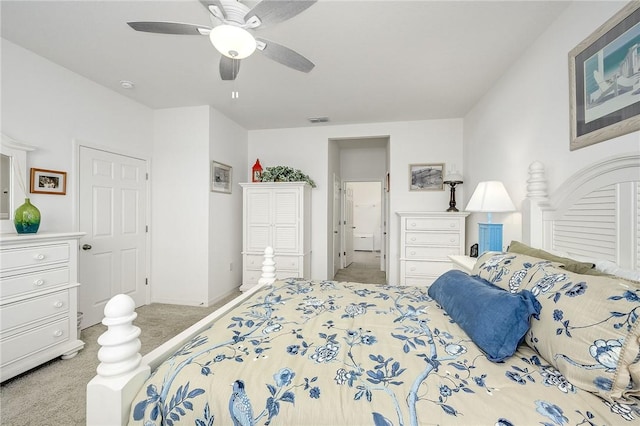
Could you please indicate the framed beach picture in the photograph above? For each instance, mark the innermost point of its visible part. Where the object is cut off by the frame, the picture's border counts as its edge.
(604, 80)
(48, 182)
(426, 177)
(221, 177)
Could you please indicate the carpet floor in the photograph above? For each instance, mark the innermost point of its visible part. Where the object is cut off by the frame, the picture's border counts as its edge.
(54, 394)
(364, 269)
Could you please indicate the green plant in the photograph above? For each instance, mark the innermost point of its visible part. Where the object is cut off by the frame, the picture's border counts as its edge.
(285, 174)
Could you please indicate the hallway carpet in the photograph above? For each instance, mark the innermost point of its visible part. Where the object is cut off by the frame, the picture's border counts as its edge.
(364, 269)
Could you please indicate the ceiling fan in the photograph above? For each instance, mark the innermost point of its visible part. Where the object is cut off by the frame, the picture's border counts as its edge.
(232, 34)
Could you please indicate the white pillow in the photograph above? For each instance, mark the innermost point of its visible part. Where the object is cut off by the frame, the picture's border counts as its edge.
(609, 267)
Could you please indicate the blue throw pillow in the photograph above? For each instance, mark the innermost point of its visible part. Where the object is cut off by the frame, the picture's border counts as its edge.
(493, 318)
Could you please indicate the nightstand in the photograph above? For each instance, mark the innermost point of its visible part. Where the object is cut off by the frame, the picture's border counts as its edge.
(463, 263)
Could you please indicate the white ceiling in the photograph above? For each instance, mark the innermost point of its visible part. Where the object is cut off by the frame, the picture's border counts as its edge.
(376, 61)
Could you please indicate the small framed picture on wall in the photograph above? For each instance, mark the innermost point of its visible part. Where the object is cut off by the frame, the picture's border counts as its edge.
(221, 177)
(48, 182)
(426, 177)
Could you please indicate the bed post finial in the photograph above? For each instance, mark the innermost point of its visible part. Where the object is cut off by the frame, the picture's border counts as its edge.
(268, 276)
(537, 198)
(537, 182)
(119, 345)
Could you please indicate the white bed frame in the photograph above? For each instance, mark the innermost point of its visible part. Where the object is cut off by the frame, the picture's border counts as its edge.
(595, 214)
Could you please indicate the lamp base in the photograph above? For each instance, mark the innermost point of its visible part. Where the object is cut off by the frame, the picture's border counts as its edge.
(489, 237)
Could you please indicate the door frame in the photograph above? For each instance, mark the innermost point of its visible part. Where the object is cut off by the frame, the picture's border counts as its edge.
(74, 185)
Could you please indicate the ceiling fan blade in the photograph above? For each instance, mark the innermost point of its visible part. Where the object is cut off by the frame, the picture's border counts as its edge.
(274, 11)
(170, 28)
(229, 68)
(217, 11)
(284, 55)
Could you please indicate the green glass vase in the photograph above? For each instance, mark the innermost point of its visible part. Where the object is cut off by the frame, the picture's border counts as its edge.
(27, 218)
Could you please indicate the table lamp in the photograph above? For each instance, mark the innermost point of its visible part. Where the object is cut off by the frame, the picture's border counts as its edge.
(452, 180)
(490, 197)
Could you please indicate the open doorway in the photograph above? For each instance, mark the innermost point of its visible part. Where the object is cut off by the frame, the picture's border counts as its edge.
(357, 159)
(363, 218)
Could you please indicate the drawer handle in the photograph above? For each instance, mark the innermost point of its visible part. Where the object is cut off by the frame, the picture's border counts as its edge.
(413, 224)
(412, 269)
(58, 333)
(452, 240)
(413, 252)
(452, 225)
(58, 304)
(413, 238)
(39, 256)
(38, 282)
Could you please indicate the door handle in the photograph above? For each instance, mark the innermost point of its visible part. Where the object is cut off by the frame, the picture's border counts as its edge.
(86, 247)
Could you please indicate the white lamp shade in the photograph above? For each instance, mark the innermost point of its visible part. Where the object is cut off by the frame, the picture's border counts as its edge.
(490, 197)
(233, 42)
(453, 177)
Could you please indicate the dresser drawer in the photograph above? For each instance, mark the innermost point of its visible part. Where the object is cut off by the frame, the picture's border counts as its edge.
(251, 278)
(433, 238)
(34, 256)
(35, 340)
(434, 269)
(419, 281)
(26, 283)
(432, 253)
(23, 313)
(291, 263)
(431, 224)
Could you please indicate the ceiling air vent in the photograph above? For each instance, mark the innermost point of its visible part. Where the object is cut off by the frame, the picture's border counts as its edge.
(315, 120)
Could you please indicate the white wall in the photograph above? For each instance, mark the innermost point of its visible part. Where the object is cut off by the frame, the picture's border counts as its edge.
(363, 163)
(433, 141)
(48, 106)
(197, 241)
(525, 117)
(228, 145)
(180, 206)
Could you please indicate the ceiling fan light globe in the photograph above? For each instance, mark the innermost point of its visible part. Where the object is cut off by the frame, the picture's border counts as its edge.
(233, 42)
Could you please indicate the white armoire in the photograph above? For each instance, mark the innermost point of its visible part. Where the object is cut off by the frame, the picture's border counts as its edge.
(276, 214)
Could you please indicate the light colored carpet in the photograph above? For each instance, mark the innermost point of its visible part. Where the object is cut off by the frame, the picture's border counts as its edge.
(54, 394)
(364, 269)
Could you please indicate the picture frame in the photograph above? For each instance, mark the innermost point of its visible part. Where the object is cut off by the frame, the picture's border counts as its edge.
(221, 177)
(604, 81)
(426, 177)
(45, 181)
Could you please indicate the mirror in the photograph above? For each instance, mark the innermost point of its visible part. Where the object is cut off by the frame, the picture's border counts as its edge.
(13, 180)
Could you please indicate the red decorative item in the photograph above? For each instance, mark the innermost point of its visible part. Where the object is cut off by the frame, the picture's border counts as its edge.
(256, 172)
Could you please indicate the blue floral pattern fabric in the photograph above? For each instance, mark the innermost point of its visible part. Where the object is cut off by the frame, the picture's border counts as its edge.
(328, 353)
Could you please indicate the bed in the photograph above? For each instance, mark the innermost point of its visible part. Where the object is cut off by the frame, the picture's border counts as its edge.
(522, 340)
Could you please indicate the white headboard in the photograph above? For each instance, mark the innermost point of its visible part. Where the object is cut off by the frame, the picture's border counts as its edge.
(595, 214)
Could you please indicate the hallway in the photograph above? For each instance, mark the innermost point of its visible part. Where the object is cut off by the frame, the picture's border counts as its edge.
(364, 269)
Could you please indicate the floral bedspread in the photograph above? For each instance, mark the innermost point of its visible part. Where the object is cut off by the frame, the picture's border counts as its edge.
(329, 353)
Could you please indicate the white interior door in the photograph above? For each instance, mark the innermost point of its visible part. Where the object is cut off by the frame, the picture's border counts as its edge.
(336, 224)
(113, 201)
(348, 226)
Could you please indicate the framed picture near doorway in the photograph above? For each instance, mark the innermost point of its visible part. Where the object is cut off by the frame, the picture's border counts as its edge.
(426, 177)
(221, 177)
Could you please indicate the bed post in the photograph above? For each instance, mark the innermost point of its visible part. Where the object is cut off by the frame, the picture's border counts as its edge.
(119, 373)
(537, 198)
(268, 276)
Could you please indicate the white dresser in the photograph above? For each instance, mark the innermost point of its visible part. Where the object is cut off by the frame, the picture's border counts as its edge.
(38, 300)
(277, 215)
(426, 241)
